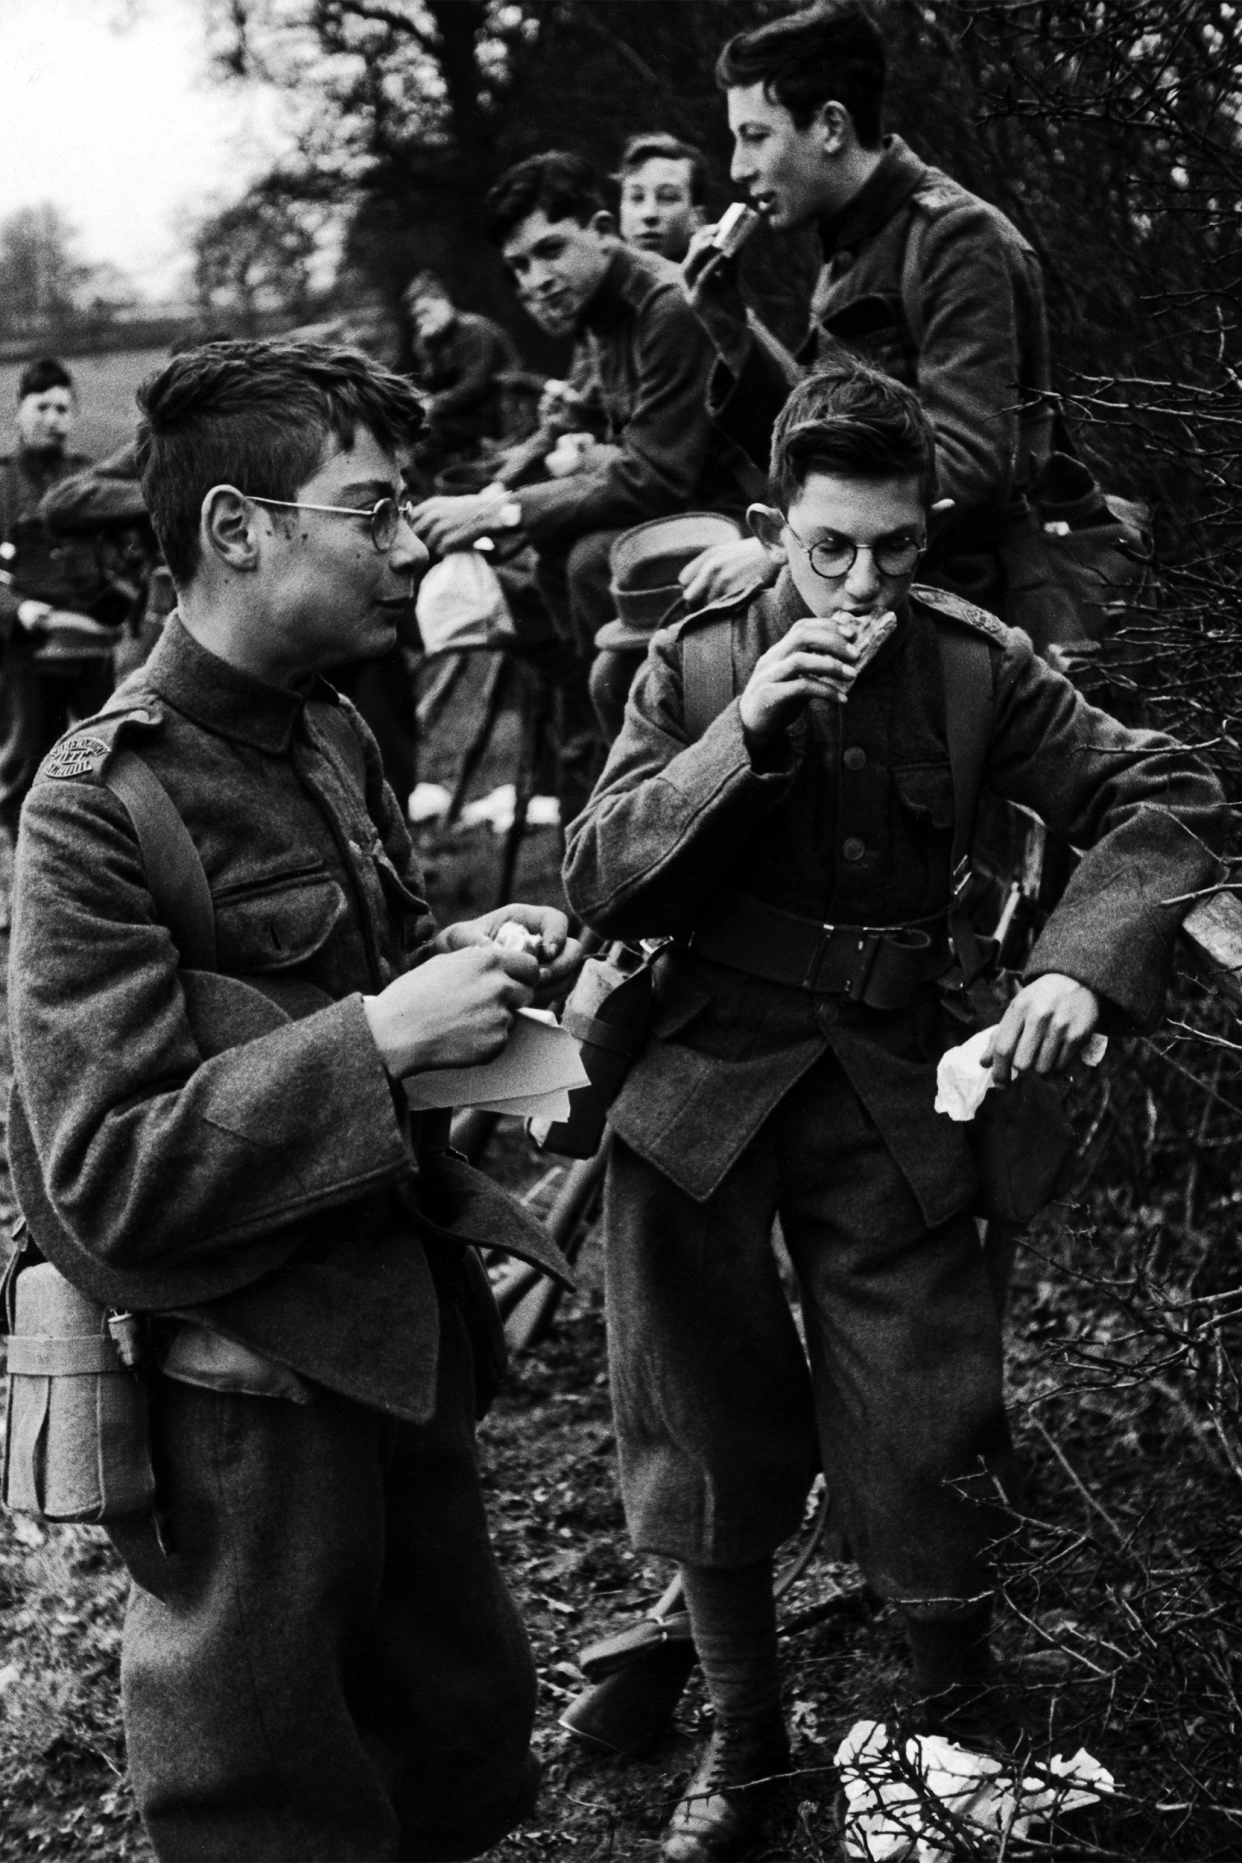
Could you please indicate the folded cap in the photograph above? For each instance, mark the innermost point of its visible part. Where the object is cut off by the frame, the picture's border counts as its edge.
(646, 562)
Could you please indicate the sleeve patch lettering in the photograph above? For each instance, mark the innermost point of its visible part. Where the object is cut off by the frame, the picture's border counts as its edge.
(75, 756)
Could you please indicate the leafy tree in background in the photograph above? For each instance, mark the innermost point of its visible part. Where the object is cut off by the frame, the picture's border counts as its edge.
(1107, 129)
(257, 257)
(412, 109)
(47, 292)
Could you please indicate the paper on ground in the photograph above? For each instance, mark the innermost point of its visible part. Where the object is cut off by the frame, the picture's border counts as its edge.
(532, 1078)
(962, 1081)
(892, 1794)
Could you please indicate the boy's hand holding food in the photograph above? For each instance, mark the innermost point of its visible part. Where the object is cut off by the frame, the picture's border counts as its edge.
(819, 658)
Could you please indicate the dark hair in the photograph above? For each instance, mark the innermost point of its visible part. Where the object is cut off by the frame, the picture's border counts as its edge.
(44, 373)
(427, 284)
(657, 145)
(198, 339)
(258, 416)
(854, 421)
(831, 52)
(558, 183)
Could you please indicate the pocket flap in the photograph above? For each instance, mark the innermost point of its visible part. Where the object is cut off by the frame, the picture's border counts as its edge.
(278, 927)
(927, 789)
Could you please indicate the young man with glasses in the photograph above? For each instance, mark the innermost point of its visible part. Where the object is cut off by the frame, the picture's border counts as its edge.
(796, 848)
(321, 1660)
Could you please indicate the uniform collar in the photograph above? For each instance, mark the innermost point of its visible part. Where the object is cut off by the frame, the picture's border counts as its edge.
(887, 188)
(221, 697)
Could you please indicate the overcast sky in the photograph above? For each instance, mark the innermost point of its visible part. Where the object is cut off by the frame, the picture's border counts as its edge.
(106, 111)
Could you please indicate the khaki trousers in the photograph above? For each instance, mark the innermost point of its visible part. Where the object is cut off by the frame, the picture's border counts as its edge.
(722, 1418)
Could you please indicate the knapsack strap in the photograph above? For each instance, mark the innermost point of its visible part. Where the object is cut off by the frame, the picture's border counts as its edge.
(912, 278)
(173, 868)
(706, 674)
(966, 661)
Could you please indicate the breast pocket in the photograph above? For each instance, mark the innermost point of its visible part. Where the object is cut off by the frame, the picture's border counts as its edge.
(276, 924)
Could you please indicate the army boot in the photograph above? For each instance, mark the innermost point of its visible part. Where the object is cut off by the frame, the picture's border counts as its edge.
(722, 1809)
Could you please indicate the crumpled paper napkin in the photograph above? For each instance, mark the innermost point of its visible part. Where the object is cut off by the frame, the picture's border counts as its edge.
(962, 1080)
(893, 1794)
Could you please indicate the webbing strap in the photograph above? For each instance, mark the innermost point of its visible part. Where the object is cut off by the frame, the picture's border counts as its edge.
(966, 660)
(27, 1426)
(706, 674)
(967, 665)
(81, 1355)
(173, 868)
(608, 1035)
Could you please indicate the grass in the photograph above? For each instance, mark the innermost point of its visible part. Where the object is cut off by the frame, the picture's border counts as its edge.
(106, 387)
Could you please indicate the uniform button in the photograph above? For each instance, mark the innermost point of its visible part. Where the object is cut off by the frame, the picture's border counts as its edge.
(843, 262)
(853, 848)
(855, 757)
(827, 1010)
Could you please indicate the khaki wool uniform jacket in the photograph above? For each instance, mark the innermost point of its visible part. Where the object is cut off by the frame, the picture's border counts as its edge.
(460, 370)
(850, 822)
(914, 237)
(647, 358)
(227, 1144)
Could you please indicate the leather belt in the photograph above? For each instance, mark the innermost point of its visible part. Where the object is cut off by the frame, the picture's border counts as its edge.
(879, 965)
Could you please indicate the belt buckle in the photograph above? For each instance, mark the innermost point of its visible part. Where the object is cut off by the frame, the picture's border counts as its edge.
(868, 947)
(814, 969)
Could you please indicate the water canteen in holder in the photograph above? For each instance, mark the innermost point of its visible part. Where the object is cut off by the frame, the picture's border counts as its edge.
(646, 563)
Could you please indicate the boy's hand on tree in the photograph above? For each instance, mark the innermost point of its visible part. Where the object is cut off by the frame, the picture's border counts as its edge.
(1044, 1028)
(453, 1011)
(709, 280)
(813, 661)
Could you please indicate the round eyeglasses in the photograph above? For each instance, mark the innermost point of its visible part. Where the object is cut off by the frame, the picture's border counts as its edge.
(833, 557)
(385, 516)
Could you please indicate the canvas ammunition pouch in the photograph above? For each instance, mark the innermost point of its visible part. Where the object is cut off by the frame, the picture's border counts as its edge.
(1075, 558)
(607, 1014)
(76, 1418)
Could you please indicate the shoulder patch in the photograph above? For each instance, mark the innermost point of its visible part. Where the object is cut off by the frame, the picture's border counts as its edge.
(75, 755)
(957, 608)
(85, 751)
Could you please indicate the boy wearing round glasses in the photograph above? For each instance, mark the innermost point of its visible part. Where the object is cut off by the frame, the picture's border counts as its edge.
(796, 850)
(321, 1659)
